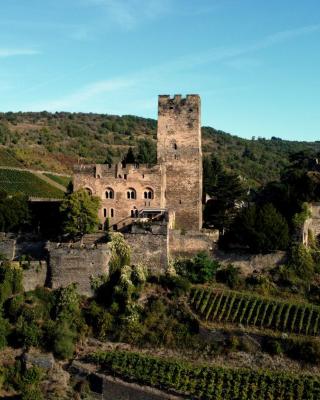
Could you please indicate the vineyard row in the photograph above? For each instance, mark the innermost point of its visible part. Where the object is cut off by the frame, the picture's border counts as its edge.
(203, 382)
(241, 308)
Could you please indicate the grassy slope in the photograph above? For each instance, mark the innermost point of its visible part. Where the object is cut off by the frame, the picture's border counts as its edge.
(56, 141)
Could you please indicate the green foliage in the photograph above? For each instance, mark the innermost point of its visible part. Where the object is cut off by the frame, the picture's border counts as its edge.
(229, 275)
(64, 339)
(301, 261)
(207, 382)
(80, 213)
(120, 252)
(261, 229)
(62, 180)
(4, 331)
(14, 212)
(227, 189)
(300, 218)
(10, 281)
(236, 307)
(199, 269)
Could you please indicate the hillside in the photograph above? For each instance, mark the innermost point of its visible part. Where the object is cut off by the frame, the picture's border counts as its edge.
(57, 141)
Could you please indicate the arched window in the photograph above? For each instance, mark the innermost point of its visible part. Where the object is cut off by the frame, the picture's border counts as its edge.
(109, 193)
(111, 212)
(148, 193)
(131, 193)
(89, 191)
(174, 145)
(105, 213)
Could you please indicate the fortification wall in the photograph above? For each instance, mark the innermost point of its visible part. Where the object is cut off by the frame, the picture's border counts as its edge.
(35, 274)
(249, 263)
(150, 247)
(74, 263)
(191, 242)
(7, 245)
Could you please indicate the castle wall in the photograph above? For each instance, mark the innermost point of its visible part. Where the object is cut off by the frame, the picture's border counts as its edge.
(179, 149)
(34, 275)
(77, 264)
(150, 247)
(312, 224)
(101, 178)
(190, 243)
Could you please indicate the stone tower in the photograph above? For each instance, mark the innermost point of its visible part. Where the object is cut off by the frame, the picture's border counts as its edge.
(179, 153)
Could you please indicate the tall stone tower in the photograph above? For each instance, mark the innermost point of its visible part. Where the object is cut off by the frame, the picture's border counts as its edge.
(179, 153)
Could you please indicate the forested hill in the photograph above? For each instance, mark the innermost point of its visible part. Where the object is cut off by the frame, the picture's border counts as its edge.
(57, 141)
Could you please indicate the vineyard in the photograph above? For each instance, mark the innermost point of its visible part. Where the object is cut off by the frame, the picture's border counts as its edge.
(240, 308)
(62, 180)
(13, 181)
(204, 382)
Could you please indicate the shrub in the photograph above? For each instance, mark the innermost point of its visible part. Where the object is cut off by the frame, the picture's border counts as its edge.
(229, 275)
(199, 269)
(301, 261)
(64, 340)
(178, 285)
(273, 346)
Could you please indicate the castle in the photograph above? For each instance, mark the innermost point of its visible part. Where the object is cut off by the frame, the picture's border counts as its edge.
(173, 185)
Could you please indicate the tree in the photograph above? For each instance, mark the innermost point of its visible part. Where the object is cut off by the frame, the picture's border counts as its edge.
(14, 211)
(147, 152)
(129, 157)
(220, 211)
(80, 213)
(260, 229)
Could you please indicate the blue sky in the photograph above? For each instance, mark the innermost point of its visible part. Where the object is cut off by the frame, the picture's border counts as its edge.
(255, 63)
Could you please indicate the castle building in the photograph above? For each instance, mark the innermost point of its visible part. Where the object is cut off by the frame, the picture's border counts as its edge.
(174, 184)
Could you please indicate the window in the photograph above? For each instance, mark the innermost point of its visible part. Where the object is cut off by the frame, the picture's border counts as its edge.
(109, 193)
(89, 191)
(174, 145)
(148, 193)
(131, 194)
(105, 213)
(111, 212)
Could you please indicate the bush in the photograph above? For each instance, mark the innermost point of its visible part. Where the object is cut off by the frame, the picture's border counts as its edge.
(301, 261)
(230, 276)
(178, 285)
(199, 269)
(273, 346)
(64, 340)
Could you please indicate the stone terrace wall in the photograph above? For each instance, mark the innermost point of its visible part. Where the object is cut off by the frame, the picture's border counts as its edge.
(75, 263)
(190, 243)
(249, 263)
(107, 387)
(149, 246)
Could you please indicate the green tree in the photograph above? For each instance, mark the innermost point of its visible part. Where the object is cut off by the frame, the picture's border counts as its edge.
(129, 157)
(80, 213)
(146, 152)
(221, 210)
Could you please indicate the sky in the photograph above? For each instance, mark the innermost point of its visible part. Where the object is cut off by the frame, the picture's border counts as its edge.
(255, 63)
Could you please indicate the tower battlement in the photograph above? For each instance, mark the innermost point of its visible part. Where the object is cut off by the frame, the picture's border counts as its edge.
(176, 102)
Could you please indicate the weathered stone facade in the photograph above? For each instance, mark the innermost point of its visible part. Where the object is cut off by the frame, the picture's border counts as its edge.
(74, 263)
(312, 224)
(175, 183)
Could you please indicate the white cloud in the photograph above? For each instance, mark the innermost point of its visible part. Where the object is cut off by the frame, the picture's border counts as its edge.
(6, 52)
(77, 98)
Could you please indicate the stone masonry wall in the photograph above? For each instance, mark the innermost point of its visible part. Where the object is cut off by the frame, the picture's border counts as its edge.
(34, 274)
(179, 150)
(190, 243)
(100, 178)
(150, 247)
(71, 263)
